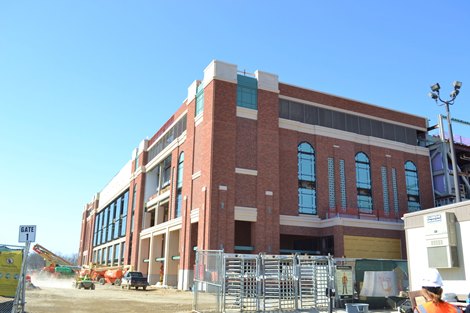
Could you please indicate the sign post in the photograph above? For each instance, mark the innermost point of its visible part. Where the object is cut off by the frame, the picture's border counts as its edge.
(27, 234)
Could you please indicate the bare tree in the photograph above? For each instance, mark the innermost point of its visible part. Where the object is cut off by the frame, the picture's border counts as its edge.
(35, 261)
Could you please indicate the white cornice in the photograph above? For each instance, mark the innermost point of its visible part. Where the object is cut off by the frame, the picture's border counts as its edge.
(245, 214)
(162, 228)
(194, 216)
(315, 222)
(247, 113)
(198, 119)
(158, 199)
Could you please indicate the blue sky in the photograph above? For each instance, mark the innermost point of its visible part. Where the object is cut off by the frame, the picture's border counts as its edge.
(83, 82)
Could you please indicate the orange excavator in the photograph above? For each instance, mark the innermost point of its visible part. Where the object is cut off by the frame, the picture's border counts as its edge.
(55, 265)
(105, 274)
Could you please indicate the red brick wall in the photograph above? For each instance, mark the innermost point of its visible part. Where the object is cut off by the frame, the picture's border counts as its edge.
(246, 146)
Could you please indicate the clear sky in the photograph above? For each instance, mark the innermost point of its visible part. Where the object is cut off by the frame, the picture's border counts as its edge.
(83, 82)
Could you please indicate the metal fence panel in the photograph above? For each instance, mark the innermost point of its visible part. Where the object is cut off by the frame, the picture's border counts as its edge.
(208, 281)
(261, 283)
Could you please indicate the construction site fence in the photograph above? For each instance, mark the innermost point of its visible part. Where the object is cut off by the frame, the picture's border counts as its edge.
(11, 257)
(227, 282)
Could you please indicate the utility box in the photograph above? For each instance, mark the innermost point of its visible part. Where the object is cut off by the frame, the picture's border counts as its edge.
(441, 239)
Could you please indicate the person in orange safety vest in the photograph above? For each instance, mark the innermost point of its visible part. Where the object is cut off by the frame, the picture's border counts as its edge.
(432, 291)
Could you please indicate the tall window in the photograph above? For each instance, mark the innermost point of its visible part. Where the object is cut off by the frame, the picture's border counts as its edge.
(247, 92)
(111, 221)
(306, 177)
(363, 183)
(166, 172)
(104, 225)
(412, 188)
(117, 213)
(116, 253)
(179, 185)
(134, 196)
(199, 99)
(124, 205)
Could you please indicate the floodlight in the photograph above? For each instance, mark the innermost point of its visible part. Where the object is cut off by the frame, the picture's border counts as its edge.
(457, 85)
(454, 93)
(435, 87)
(433, 95)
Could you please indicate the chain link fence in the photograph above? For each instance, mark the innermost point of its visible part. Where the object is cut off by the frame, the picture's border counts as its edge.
(6, 304)
(261, 283)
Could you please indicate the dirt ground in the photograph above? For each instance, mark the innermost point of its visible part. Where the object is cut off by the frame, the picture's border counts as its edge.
(61, 297)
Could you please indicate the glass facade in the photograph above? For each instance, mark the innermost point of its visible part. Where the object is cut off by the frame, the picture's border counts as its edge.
(110, 222)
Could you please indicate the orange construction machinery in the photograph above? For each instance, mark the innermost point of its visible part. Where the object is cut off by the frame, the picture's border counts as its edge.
(55, 265)
(105, 274)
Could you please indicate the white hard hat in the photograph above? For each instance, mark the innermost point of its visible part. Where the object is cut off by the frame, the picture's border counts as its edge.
(432, 278)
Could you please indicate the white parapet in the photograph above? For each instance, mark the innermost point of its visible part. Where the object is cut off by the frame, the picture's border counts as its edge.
(221, 71)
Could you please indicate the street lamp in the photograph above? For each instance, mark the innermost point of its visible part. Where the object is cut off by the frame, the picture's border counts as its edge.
(436, 96)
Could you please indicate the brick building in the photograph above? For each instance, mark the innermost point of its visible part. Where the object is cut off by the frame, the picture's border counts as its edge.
(248, 164)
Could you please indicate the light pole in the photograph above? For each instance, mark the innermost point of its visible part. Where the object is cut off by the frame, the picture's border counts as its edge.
(436, 96)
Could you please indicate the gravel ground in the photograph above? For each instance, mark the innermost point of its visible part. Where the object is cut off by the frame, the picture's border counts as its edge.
(59, 297)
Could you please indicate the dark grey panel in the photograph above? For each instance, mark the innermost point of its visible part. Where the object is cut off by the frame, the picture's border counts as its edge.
(325, 117)
(364, 126)
(376, 128)
(411, 136)
(339, 120)
(311, 115)
(296, 111)
(389, 131)
(352, 123)
(400, 133)
(284, 109)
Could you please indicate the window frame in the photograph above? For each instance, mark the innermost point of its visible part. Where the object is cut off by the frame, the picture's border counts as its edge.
(306, 177)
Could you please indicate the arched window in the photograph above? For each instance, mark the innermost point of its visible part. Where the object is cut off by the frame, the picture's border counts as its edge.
(179, 185)
(306, 177)
(412, 188)
(363, 183)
